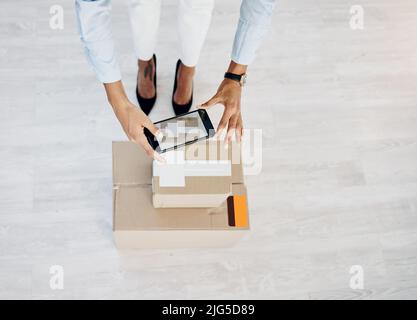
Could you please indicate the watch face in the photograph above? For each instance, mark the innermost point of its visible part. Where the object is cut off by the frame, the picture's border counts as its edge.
(243, 79)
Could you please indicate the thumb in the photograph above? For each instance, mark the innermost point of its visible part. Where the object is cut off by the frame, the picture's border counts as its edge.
(151, 127)
(216, 99)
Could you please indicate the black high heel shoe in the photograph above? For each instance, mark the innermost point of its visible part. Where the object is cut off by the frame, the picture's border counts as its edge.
(146, 104)
(180, 108)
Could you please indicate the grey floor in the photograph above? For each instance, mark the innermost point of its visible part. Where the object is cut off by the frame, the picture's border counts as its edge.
(338, 109)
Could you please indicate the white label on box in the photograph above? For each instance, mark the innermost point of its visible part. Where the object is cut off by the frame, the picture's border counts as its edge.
(171, 173)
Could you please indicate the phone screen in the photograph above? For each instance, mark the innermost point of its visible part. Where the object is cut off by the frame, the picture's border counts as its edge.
(182, 130)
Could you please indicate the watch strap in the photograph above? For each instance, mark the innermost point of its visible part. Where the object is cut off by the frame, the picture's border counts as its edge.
(233, 76)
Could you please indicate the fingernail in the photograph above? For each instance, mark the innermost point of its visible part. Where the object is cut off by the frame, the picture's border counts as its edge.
(158, 157)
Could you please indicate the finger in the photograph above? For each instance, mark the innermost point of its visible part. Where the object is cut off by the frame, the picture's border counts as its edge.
(218, 133)
(214, 100)
(151, 127)
(158, 157)
(149, 150)
(231, 128)
(223, 122)
(239, 129)
(238, 135)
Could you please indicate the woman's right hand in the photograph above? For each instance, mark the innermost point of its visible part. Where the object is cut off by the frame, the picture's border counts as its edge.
(132, 118)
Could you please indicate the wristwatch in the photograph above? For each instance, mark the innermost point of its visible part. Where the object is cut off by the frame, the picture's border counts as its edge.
(241, 78)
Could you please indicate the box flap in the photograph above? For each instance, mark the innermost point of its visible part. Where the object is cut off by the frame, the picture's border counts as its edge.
(130, 164)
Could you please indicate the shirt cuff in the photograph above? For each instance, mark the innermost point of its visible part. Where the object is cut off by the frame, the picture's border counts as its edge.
(101, 56)
(247, 41)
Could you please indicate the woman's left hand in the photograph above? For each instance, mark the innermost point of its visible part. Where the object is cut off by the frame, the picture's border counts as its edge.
(228, 94)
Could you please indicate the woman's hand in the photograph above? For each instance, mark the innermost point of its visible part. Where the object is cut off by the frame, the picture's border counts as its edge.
(132, 118)
(228, 94)
(133, 121)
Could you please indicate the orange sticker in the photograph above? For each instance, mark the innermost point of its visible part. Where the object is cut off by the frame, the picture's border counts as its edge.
(241, 212)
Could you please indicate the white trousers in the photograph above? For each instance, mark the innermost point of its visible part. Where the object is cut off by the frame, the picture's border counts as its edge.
(193, 22)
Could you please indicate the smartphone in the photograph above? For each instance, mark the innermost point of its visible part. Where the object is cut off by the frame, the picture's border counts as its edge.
(181, 130)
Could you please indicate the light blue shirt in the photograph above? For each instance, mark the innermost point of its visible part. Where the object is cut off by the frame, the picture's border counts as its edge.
(94, 25)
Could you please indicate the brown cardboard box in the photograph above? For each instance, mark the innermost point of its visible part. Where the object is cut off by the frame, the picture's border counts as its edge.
(200, 176)
(137, 224)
